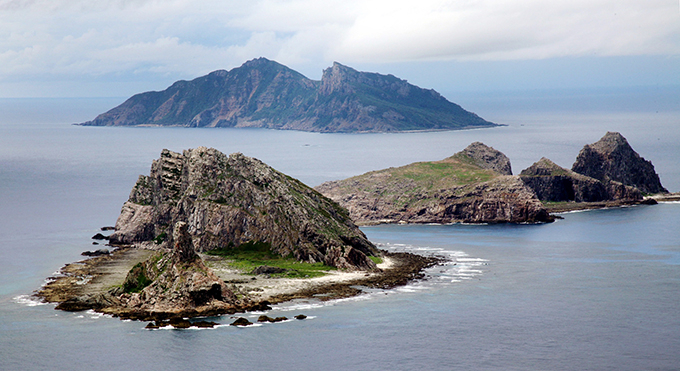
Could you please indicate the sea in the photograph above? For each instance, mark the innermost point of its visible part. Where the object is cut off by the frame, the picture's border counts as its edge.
(596, 290)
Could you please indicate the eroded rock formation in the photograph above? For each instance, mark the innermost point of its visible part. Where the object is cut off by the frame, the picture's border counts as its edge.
(227, 201)
(551, 182)
(466, 187)
(613, 159)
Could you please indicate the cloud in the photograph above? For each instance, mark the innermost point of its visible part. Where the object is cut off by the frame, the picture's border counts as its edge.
(67, 39)
(509, 30)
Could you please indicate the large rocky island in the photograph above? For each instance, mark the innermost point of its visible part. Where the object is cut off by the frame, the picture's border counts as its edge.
(265, 94)
(476, 185)
(198, 231)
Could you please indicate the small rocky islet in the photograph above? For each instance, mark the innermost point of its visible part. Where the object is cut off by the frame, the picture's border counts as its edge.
(476, 185)
(176, 235)
(185, 222)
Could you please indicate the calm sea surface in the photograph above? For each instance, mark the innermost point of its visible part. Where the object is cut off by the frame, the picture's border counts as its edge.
(598, 290)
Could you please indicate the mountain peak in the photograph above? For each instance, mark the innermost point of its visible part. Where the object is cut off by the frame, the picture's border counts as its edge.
(264, 93)
(613, 159)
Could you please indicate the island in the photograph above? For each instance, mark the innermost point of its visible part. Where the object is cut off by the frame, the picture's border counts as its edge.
(265, 94)
(476, 185)
(208, 234)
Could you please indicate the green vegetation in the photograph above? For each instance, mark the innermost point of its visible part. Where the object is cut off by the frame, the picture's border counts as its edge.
(376, 259)
(250, 255)
(160, 238)
(137, 279)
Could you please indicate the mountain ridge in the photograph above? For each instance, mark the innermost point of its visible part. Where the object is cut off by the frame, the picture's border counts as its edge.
(266, 94)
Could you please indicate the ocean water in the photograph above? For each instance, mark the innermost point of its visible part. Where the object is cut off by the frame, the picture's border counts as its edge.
(597, 290)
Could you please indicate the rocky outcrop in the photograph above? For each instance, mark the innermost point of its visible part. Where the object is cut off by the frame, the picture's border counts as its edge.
(456, 189)
(266, 94)
(176, 282)
(488, 158)
(612, 159)
(553, 183)
(228, 201)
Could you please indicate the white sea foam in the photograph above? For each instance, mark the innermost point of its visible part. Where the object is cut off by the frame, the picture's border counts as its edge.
(28, 300)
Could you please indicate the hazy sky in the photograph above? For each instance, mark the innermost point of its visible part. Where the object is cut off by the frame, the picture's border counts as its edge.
(121, 47)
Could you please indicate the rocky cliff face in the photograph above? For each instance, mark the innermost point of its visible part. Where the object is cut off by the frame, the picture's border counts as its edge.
(176, 282)
(227, 201)
(456, 189)
(613, 159)
(551, 182)
(263, 93)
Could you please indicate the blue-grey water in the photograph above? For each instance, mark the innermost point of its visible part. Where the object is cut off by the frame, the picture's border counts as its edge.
(597, 290)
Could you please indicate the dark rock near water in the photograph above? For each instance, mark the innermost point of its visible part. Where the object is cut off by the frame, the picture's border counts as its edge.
(553, 183)
(100, 236)
(98, 252)
(263, 93)
(241, 322)
(300, 316)
(264, 318)
(613, 159)
(228, 201)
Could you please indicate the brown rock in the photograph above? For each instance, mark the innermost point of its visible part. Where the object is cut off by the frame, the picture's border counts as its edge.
(456, 189)
(232, 200)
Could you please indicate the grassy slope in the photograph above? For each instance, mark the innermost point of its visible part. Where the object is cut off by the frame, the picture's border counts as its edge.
(406, 184)
(249, 256)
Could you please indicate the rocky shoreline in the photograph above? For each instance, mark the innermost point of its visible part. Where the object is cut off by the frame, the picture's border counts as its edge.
(84, 285)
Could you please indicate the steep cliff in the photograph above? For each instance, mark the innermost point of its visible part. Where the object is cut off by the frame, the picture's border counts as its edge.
(613, 159)
(266, 94)
(551, 182)
(228, 201)
(456, 189)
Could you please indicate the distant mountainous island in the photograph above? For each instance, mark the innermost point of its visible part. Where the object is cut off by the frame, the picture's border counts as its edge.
(265, 94)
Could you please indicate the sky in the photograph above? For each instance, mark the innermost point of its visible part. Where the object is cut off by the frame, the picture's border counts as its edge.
(116, 48)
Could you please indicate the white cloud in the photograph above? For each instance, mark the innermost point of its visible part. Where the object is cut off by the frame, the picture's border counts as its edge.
(502, 29)
(75, 38)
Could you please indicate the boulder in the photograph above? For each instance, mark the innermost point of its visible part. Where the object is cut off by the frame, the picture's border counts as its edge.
(241, 322)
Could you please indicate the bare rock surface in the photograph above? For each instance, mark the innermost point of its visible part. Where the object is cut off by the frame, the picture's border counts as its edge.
(227, 201)
(554, 183)
(466, 187)
(613, 159)
(488, 158)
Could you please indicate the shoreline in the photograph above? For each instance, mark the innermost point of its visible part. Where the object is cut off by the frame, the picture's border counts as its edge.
(86, 284)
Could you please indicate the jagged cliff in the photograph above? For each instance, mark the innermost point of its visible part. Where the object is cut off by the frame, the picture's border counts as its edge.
(266, 94)
(553, 183)
(613, 159)
(608, 170)
(462, 188)
(228, 201)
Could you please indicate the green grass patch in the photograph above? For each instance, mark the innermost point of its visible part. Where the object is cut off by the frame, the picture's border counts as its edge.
(137, 279)
(253, 254)
(376, 259)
